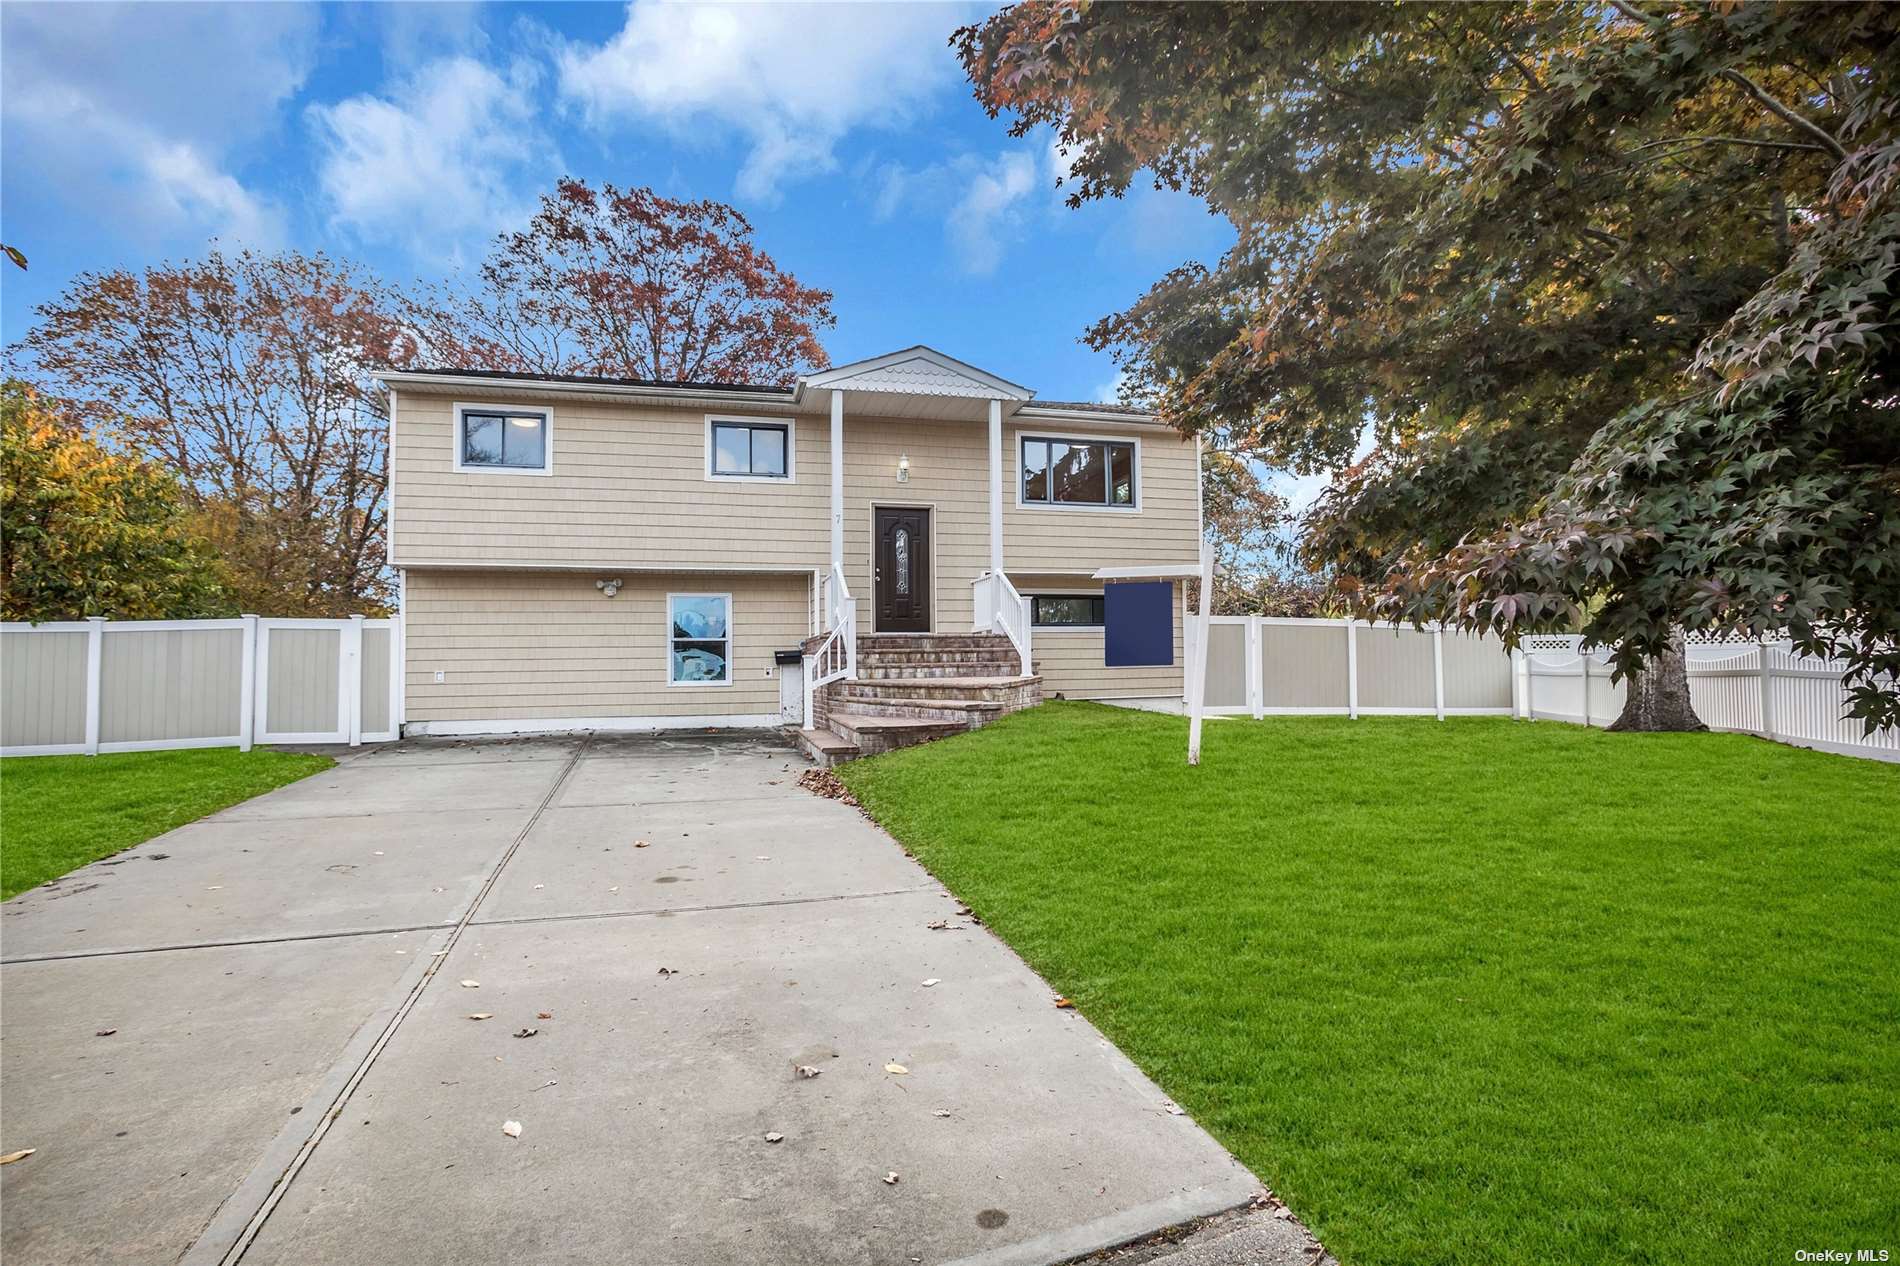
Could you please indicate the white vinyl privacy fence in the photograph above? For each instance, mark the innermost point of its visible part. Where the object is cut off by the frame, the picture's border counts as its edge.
(90, 686)
(1746, 687)
(1262, 666)
(1266, 665)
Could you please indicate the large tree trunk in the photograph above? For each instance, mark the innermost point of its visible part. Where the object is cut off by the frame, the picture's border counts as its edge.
(1657, 695)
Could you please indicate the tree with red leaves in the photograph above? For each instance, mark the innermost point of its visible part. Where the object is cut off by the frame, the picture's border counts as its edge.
(630, 284)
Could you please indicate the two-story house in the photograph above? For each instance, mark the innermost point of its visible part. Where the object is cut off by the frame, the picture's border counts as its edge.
(605, 554)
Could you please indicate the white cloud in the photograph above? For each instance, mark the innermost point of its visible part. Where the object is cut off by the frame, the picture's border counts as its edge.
(438, 160)
(790, 79)
(1110, 392)
(134, 112)
(985, 202)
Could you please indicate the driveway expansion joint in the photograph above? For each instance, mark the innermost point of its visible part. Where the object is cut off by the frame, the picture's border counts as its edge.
(226, 1239)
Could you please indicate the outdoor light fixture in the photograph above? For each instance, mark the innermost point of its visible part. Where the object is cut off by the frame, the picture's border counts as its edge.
(608, 587)
(903, 468)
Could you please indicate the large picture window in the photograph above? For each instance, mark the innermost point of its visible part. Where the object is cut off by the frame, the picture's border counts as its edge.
(740, 449)
(1079, 472)
(1065, 610)
(500, 439)
(699, 639)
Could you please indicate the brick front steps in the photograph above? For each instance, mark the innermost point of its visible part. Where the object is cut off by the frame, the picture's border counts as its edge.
(914, 687)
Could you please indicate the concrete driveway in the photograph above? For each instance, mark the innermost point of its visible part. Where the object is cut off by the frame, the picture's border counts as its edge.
(291, 1074)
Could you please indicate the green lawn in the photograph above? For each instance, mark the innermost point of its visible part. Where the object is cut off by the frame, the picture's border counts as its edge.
(1473, 991)
(59, 812)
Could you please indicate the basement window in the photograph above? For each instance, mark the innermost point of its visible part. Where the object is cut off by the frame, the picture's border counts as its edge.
(699, 639)
(1066, 610)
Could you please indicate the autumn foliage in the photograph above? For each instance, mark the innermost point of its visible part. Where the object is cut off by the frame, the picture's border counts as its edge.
(629, 284)
(88, 530)
(250, 376)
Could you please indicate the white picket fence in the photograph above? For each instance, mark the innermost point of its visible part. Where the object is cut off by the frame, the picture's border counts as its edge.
(1745, 687)
(91, 686)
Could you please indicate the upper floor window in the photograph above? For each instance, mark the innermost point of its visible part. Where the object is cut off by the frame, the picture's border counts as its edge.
(503, 440)
(1079, 472)
(739, 448)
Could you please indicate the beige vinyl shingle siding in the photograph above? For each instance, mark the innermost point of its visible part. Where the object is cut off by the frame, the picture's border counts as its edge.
(1071, 661)
(548, 645)
(629, 489)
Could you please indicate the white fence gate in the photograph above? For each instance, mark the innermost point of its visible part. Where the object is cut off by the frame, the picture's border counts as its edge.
(1744, 687)
(90, 686)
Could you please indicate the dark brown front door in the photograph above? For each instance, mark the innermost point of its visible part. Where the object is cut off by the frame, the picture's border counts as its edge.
(902, 559)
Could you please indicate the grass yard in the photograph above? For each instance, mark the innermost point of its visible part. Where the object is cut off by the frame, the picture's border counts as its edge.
(1473, 991)
(59, 812)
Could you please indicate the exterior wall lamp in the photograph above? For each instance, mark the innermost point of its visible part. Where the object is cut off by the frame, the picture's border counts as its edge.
(608, 587)
(903, 468)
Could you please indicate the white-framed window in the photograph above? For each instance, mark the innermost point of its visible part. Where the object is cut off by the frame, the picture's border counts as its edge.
(699, 639)
(503, 439)
(751, 448)
(1066, 610)
(1079, 472)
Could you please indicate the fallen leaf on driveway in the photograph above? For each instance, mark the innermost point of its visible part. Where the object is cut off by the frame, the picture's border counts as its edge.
(615, 888)
(481, 1015)
(105, 1032)
(20, 1155)
(806, 1070)
(538, 886)
(544, 1015)
(941, 1112)
(891, 1178)
(938, 925)
(640, 843)
(774, 1137)
(932, 981)
(897, 1069)
(1064, 1003)
(764, 857)
(1175, 1110)
(214, 887)
(511, 1128)
(527, 1032)
(668, 971)
(471, 984)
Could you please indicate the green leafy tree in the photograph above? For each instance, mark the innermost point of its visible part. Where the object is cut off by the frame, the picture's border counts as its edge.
(86, 530)
(1612, 287)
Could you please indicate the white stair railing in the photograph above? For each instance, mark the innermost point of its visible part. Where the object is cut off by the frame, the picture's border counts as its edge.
(836, 658)
(1000, 609)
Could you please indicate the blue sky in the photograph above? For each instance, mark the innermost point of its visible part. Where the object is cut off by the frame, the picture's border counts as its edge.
(408, 135)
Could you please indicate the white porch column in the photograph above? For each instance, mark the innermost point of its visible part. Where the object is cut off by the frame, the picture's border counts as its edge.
(837, 479)
(996, 487)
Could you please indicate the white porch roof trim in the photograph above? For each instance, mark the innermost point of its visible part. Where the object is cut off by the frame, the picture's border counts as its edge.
(919, 371)
(1162, 571)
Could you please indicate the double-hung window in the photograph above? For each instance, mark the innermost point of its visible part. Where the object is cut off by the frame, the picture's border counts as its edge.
(1079, 472)
(503, 440)
(1066, 610)
(699, 639)
(738, 448)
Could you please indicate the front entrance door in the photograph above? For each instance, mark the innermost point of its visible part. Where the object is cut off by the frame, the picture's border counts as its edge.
(901, 562)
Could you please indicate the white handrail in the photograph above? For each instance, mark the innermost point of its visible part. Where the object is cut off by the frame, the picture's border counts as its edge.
(1001, 609)
(836, 658)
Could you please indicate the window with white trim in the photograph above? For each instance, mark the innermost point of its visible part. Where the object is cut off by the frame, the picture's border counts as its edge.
(501, 439)
(1066, 610)
(749, 450)
(699, 639)
(1078, 472)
